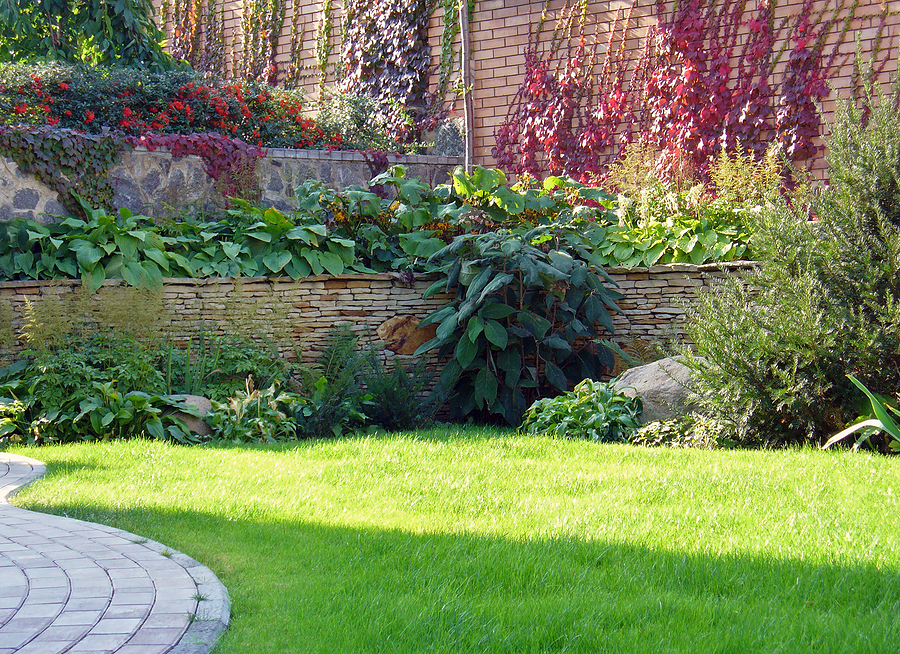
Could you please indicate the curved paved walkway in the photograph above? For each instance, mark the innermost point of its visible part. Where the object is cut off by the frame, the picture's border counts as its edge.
(77, 587)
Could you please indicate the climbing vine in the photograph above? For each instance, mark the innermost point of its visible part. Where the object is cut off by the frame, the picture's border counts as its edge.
(323, 40)
(704, 81)
(261, 27)
(196, 33)
(449, 56)
(386, 57)
(230, 162)
(73, 164)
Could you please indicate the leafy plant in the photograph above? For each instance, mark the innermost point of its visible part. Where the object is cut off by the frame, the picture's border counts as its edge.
(396, 394)
(331, 388)
(773, 350)
(255, 415)
(882, 422)
(528, 303)
(592, 410)
(96, 248)
(109, 413)
(217, 367)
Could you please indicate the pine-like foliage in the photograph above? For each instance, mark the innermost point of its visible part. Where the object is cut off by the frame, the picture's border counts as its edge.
(773, 349)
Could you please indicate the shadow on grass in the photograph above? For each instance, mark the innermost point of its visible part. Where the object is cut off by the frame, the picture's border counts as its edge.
(300, 587)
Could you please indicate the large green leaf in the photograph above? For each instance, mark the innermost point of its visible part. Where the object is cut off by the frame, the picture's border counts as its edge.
(496, 311)
(556, 376)
(275, 261)
(465, 352)
(331, 262)
(486, 387)
(496, 333)
(495, 285)
(475, 327)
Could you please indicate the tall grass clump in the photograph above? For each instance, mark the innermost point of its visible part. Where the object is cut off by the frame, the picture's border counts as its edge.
(773, 349)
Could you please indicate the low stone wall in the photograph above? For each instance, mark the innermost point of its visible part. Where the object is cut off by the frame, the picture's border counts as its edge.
(297, 316)
(154, 182)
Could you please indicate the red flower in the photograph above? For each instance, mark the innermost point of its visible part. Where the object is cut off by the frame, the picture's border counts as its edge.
(20, 109)
(63, 86)
(127, 112)
(177, 105)
(52, 121)
(67, 113)
(124, 123)
(88, 116)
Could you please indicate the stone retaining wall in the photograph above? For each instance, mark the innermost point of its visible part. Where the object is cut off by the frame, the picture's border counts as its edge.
(297, 316)
(154, 182)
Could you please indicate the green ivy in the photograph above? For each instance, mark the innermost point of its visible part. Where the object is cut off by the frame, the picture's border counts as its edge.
(73, 164)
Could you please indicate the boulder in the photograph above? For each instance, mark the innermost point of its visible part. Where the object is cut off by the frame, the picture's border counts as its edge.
(402, 334)
(662, 385)
(195, 424)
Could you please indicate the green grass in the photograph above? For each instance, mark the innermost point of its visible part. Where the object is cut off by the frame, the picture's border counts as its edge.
(476, 541)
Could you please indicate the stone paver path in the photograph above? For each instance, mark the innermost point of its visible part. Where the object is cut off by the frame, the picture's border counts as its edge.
(77, 587)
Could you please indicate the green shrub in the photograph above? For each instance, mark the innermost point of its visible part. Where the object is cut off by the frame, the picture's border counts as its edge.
(217, 367)
(103, 387)
(396, 394)
(133, 101)
(331, 388)
(693, 430)
(593, 410)
(773, 349)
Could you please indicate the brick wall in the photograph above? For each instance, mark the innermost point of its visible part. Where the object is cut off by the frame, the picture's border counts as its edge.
(499, 32)
(297, 316)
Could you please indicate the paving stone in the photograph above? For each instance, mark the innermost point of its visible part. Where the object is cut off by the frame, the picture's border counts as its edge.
(75, 587)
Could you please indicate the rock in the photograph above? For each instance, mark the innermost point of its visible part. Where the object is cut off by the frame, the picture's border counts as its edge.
(662, 385)
(402, 334)
(448, 138)
(195, 424)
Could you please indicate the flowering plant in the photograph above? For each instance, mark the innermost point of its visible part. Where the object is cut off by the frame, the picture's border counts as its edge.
(136, 103)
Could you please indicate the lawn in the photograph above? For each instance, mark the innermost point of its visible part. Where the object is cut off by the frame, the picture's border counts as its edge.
(468, 540)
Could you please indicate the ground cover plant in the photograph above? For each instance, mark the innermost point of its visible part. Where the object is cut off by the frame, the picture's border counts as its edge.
(472, 540)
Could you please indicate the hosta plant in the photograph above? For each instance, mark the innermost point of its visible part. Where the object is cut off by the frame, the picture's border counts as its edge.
(255, 415)
(592, 410)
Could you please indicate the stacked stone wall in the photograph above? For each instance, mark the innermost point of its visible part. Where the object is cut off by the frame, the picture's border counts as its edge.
(297, 316)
